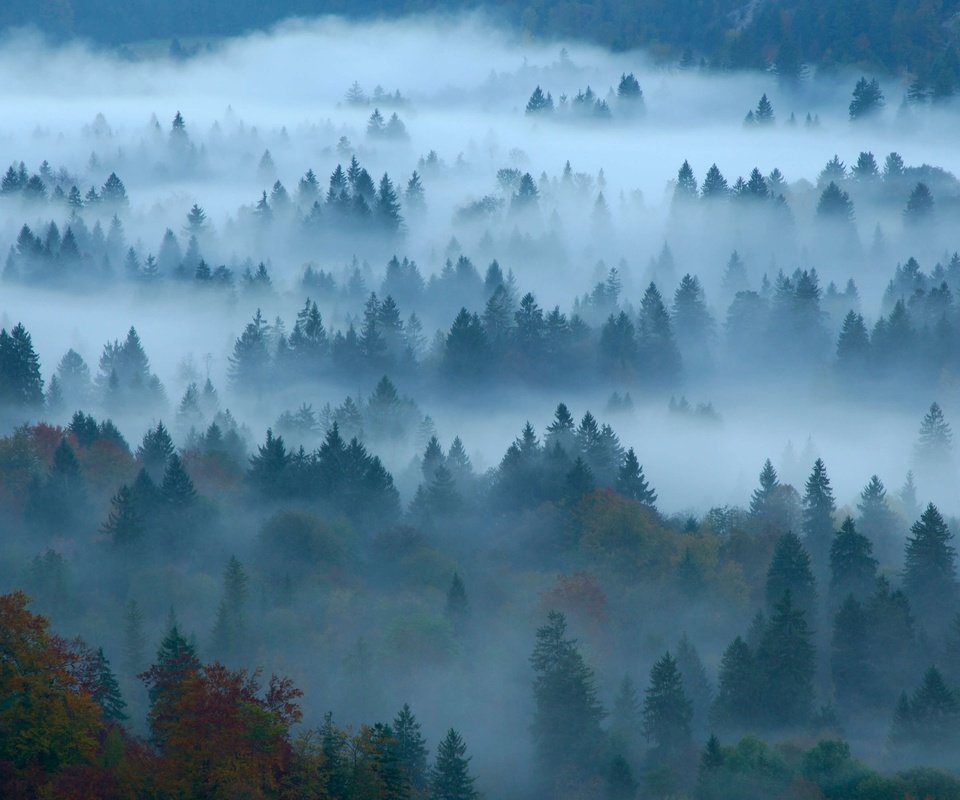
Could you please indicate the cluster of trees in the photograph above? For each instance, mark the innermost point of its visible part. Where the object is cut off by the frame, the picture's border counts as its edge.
(627, 102)
(834, 644)
(817, 34)
(213, 731)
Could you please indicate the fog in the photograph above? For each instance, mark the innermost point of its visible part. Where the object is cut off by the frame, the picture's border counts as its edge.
(757, 370)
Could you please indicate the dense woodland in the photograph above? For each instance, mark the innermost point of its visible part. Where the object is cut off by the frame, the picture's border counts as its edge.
(363, 457)
(917, 41)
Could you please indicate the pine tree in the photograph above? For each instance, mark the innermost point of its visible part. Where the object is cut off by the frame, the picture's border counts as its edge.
(686, 186)
(853, 569)
(124, 527)
(386, 209)
(177, 489)
(667, 712)
(850, 661)
(790, 571)
(176, 662)
(632, 483)
(106, 693)
(867, 99)
(696, 685)
(714, 184)
(566, 723)
(936, 439)
(919, 208)
(450, 777)
(134, 639)
(230, 627)
(626, 721)
(457, 609)
(786, 662)
(764, 501)
(539, 103)
(411, 754)
(930, 571)
(155, 451)
(764, 113)
(818, 511)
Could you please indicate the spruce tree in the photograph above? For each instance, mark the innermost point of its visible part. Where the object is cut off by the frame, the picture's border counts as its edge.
(853, 569)
(626, 721)
(930, 571)
(790, 571)
(124, 526)
(936, 439)
(786, 662)
(566, 722)
(457, 609)
(106, 693)
(818, 510)
(696, 685)
(411, 754)
(450, 777)
(667, 713)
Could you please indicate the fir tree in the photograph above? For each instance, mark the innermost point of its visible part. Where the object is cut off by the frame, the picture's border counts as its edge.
(853, 569)
(450, 777)
(930, 570)
(566, 723)
(667, 712)
(124, 527)
(818, 510)
(790, 571)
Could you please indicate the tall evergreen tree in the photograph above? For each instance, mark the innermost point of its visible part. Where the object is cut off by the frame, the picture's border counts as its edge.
(853, 569)
(786, 662)
(930, 571)
(566, 722)
(790, 571)
(818, 511)
(667, 714)
(450, 777)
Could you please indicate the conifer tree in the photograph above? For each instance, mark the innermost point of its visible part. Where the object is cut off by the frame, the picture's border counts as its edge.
(818, 510)
(936, 438)
(631, 481)
(853, 569)
(134, 639)
(696, 685)
(930, 571)
(450, 777)
(566, 723)
(411, 753)
(790, 571)
(106, 692)
(786, 662)
(177, 489)
(124, 526)
(457, 609)
(667, 712)
(626, 721)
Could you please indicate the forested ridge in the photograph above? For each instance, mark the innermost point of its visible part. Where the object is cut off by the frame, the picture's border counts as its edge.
(917, 41)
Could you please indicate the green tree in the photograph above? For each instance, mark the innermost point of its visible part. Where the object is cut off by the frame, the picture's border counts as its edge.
(930, 571)
(786, 662)
(853, 569)
(867, 99)
(738, 703)
(818, 511)
(667, 715)
(567, 715)
(539, 103)
(450, 777)
(790, 571)
(124, 526)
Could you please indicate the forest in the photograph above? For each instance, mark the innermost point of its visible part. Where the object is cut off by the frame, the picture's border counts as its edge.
(511, 421)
